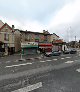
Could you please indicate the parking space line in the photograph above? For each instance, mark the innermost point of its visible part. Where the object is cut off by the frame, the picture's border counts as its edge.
(48, 60)
(55, 59)
(68, 57)
(69, 62)
(62, 58)
(42, 61)
(18, 65)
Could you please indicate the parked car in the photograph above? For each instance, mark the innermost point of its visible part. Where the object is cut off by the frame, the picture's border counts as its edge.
(66, 52)
(73, 51)
(56, 53)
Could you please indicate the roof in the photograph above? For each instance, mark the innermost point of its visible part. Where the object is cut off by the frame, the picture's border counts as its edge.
(1, 23)
(56, 35)
(4, 26)
(33, 32)
(58, 41)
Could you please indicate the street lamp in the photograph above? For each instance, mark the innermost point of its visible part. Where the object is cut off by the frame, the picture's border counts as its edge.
(21, 58)
(75, 41)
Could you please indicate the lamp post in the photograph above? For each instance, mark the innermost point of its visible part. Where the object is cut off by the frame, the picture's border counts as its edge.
(75, 41)
(21, 58)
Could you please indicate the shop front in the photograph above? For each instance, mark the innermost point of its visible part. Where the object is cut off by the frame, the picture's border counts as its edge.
(45, 47)
(57, 45)
(29, 48)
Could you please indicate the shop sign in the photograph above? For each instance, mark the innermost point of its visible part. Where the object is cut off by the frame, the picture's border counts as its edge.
(27, 44)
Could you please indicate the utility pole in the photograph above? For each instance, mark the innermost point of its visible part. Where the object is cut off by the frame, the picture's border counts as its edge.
(75, 41)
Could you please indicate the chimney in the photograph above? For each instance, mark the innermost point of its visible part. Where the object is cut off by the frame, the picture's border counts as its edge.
(13, 28)
(43, 31)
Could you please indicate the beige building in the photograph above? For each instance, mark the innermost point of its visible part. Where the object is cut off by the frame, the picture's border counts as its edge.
(17, 40)
(54, 37)
(43, 39)
(35, 36)
(9, 38)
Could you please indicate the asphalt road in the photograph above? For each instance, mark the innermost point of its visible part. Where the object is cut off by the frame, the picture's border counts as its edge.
(62, 80)
(13, 66)
(39, 72)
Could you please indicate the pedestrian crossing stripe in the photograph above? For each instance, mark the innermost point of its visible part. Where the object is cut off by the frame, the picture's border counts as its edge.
(29, 88)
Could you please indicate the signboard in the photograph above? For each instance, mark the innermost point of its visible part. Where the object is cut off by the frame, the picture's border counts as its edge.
(45, 45)
(27, 44)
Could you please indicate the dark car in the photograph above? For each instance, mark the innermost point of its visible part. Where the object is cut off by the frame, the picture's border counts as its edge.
(56, 53)
(73, 51)
(66, 52)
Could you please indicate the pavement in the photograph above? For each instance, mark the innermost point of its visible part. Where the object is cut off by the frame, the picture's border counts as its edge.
(15, 57)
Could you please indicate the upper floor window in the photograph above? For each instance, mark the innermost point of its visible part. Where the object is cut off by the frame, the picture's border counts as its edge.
(6, 37)
(45, 38)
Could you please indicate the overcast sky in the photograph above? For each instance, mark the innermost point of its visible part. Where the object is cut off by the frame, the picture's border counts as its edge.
(56, 16)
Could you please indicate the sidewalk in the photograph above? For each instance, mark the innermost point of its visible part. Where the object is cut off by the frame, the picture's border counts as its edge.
(18, 57)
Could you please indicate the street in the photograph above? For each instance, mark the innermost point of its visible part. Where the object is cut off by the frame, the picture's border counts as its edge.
(38, 74)
(62, 80)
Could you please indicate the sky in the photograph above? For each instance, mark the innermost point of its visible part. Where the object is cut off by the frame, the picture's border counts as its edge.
(56, 16)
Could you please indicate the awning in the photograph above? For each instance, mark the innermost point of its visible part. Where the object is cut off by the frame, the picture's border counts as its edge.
(45, 47)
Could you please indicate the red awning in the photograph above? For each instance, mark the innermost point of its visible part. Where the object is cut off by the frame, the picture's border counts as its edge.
(45, 45)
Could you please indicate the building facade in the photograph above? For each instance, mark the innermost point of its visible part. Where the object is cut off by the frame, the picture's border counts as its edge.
(43, 39)
(10, 39)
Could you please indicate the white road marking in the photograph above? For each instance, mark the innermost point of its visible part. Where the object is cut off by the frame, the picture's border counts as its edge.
(8, 61)
(62, 58)
(54, 59)
(29, 88)
(48, 60)
(42, 61)
(68, 57)
(69, 62)
(78, 70)
(18, 65)
(76, 60)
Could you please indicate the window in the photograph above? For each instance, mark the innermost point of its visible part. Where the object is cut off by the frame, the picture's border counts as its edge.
(45, 38)
(6, 37)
